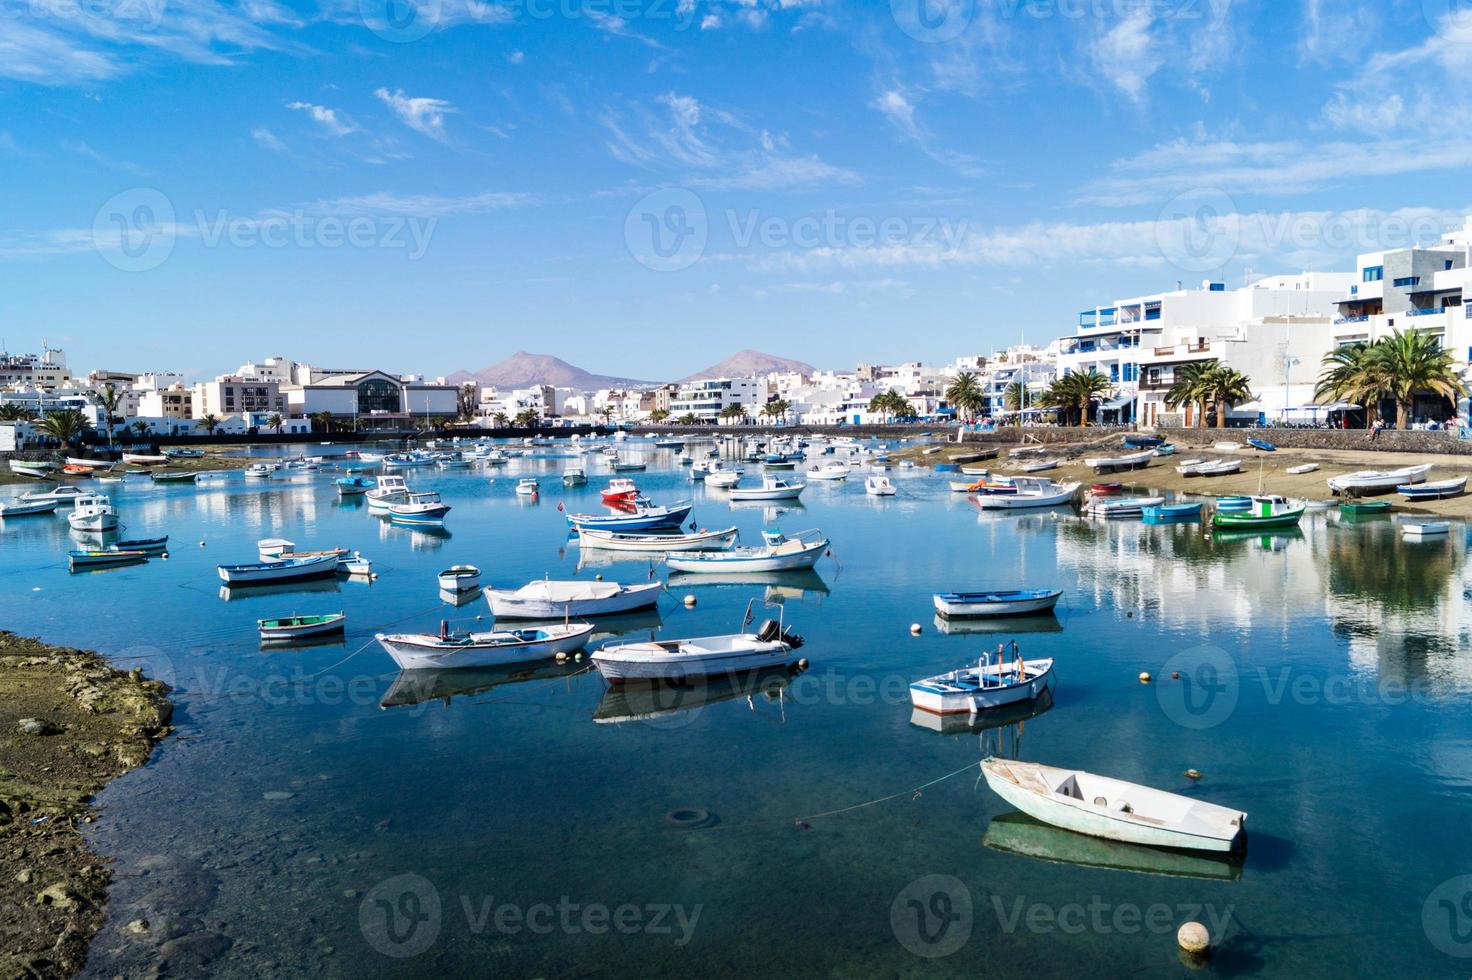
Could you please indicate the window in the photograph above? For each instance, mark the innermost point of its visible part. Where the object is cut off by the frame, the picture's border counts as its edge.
(1374, 273)
(1407, 281)
(378, 395)
(1448, 264)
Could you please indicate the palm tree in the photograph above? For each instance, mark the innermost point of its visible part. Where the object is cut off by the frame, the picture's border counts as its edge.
(66, 426)
(321, 420)
(1227, 387)
(527, 418)
(1078, 391)
(659, 415)
(467, 399)
(965, 394)
(733, 412)
(110, 398)
(275, 421)
(1012, 397)
(688, 419)
(882, 404)
(1414, 361)
(1188, 388)
(501, 419)
(142, 428)
(1354, 373)
(210, 423)
(15, 413)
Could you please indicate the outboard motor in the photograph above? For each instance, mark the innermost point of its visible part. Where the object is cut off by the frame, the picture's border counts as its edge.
(791, 639)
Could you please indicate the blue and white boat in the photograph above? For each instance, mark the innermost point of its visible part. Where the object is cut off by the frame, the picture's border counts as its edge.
(992, 683)
(778, 553)
(1434, 490)
(1262, 444)
(1001, 602)
(1143, 442)
(643, 517)
(424, 507)
(1172, 514)
(389, 491)
(271, 572)
(354, 486)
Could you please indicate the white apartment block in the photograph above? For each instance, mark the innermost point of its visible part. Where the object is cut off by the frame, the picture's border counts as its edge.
(46, 370)
(232, 395)
(706, 399)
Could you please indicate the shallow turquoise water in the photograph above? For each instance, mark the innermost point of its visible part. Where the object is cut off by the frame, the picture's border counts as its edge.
(290, 805)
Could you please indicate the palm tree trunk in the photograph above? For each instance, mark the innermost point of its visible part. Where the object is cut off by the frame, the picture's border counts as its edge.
(1221, 415)
(1402, 414)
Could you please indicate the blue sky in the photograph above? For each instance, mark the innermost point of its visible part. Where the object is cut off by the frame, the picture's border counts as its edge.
(644, 187)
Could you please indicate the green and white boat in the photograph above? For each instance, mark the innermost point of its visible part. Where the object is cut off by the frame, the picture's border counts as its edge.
(1361, 508)
(1266, 511)
(296, 627)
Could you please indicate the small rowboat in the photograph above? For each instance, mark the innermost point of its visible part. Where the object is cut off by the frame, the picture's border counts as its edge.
(420, 651)
(1128, 462)
(144, 459)
(1219, 467)
(39, 470)
(1261, 444)
(270, 572)
(629, 467)
(1112, 808)
(61, 494)
(1364, 507)
(1122, 506)
(184, 453)
(296, 627)
(80, 471)
(150, 545)
(1433, 491)
(78, 560)
(88, 464)
(1106, 489)
(1172, 514)
(971, 690)
(1378, 481)
(1040, 466)
(26, 508)
(1166, 450)
(271, 547)
(779, 553)
(259, 471)
(696, 541)
(162, 476)
(353, 486)
(1425, 529)
(705, 656)
(460, 578)
(546, 599)
(1233, 505)
(1014, 602)
(1226, 447)
(1300, 470)
(1143, 442)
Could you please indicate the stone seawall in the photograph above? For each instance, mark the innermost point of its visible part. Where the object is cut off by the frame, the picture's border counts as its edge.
(1389, 440)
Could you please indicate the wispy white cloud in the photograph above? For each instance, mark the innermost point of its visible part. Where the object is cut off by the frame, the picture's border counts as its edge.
(423, 115)
(1127, 54)
(267, 140)
(83, 149)
(326, 118)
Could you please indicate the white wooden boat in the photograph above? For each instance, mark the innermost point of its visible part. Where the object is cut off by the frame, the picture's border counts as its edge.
(1425, 529)
(39, 470)
(828, 471)
(355, 565)
(1226, 447)
(296, 627)
(723, 479)
(705, 656)
(91, 464)
(1129, 461)
(574, 476)
(528, 487)
(271, 572)
(25, 508)
(1219, 467)
(1373, 481)
(64, 493)
(419, 508)
(427, 651)
(1300, 470)
(1189, 467)
(695, 541)
(549, 599)
(103, 558)
(390, 490)
(879, 486)
(460, 578)
(992, 683)
(1002, 602)
(778, 553)
(144, 459)
(1121, 506)
(772, 488)
(1040, 465)
(259, 471)
(1432, 490)
(1112, 808)
(271, 547)
(1030, 491)
(643, 517)
(974, 471)
(93, 512)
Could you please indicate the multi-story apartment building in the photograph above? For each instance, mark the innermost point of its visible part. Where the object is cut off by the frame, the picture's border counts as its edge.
(230, 395)
(707, 398)
(46, 370)
(173, 402)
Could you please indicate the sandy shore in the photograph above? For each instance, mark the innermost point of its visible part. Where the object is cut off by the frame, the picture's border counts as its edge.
(69, 723)
(1261, 472)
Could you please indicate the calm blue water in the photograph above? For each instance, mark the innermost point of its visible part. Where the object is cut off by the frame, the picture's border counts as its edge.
(1324, 689)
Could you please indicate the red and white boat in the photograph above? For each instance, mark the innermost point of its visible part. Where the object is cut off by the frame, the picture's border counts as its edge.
(620, 490)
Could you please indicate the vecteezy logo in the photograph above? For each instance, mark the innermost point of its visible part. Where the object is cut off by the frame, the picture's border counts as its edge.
(932, 916)
(134, 231)
(1446, 916)
(667, 705)
(667, 230)
(1199, 688)
(1199, 230)
(933, 21)
(1451, 19)
(401, 21)
(400, 916)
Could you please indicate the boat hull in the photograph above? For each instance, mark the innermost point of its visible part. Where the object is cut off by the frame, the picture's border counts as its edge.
(613, 541)
(725, 561)
(421, 653)
(962, 607)
(506, 605)
(633, 663)
(927, 695)
(270, 573)
(284, 629)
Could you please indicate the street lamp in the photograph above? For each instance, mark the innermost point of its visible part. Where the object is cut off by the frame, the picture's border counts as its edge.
(1288, 362)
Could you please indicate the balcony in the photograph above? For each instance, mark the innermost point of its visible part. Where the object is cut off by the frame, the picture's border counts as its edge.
(1351, 319)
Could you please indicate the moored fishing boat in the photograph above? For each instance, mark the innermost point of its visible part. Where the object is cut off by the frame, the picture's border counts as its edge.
(1112, 808)
(1030, 491)
(27, 508)
(828, 471)
(1041, 465)
(1363, 508)
(389, 491)
(148, 545)
(272, 547)
(1172, 514)
(694, 541)
(104, 558)
(178, 453)
(1112, 507)
(1377, 481)
(1266, 511)
(296, 627)
(32, 468)
(778, 553)
(271, 572)
(1425, 529)
(460, 578)
(547, 599)
(574, 476)
(419, 507)
(176, 476)
(528, 486)
(1434, 490)
(93, 512)
(144, 459)
(642, 517)
(1142, 441)
(354, 486)
(1129, 461)
(879, 486)
(620, 490)
(679, 660)
(772, 488)
(62, 493)
(259, 471)
(999, 602)
(993, 683)
(427, 651)
(89, 464)
(723, 479)
(1219, 467)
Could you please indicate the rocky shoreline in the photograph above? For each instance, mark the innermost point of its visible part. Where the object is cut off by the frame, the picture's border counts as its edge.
(69, 723)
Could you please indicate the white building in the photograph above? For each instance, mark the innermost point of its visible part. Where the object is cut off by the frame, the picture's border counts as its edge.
(375, 398)
(231, 395)
(706, 399)
(46, 370)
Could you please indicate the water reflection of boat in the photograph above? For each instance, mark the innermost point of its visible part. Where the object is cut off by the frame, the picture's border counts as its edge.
(1017, 833)
(643, 702)
(1046, 623)
(283, 588)
(418, 686)
(611, 626)
(986, 721)
(1271, 540)
(792, 584)
(459, 598)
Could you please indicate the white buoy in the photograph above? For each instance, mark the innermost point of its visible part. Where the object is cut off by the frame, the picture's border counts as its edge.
(1144, 677)
(690, 602)
(201, 544)
(915, 629)
(1193, 939)
(598, 578)
(561, 656)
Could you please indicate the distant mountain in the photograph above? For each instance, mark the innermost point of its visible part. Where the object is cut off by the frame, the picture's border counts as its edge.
(750, 362)
(522, 370)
